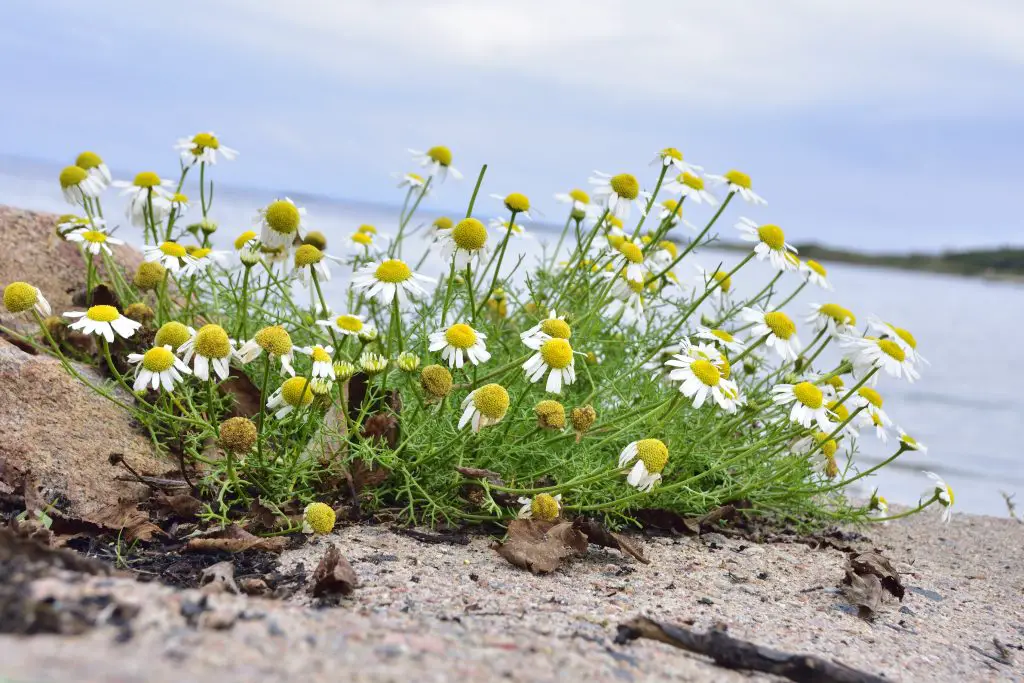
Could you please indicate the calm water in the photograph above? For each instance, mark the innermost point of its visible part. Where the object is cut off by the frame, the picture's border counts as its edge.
(967, 408)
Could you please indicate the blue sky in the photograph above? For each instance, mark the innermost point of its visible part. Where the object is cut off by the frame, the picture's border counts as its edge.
(871, 124)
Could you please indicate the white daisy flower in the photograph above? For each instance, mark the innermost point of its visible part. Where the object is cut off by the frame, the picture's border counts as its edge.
(516, 203)
(280, 222)
(737, 182)
(553, 326)
(437, 161)
(779, 329)
(771, 244)
(21, 297)
(103, 321)
(440, 228)
(870, 352)
(203, 148)
(205, 257)
(670, 156)
(372, 363)
(362, 244)
(649, 457)
(92, 163)
(502, 224)
(146, 189)
(276, 341)
(909, 443)
(578, 199)
(293, 393)
(627, 303)
(484, 407)
(820, 442)
(631, 258)
(466, 243)
(721, 337)
(409, 180)
(815, 273)
(157, 368)
(351, 325)
(323, 367)
(691, 186)
(171, 256)
(878, 505)
(209, 345)
(389, 279)
(700, 378)
(459, 343)
(553, 357)
(663, 254)
(617, 192)
(871, 401)
(671, 210)
(901, 336)
(808, 405)
(76, 183)
(944, 494)
(93, 240)
(705, 280)
(834, 318)
(308, 260)
(543, 506)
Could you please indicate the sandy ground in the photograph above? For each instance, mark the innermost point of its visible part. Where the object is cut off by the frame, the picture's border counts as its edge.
(428, 612)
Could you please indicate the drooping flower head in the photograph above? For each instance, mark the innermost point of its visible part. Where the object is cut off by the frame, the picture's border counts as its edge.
(21, 297)
(203, 148)
(738, 182)
(649, 457)
(77, 184)
(210, 345)
(437, 161)
(484, 407)
(281, 222)
(294, 393)
(617, 192)
(543, 506)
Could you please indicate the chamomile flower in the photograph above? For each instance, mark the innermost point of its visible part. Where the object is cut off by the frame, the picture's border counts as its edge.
(158, 367)
(700, 378)
(649, 457)
(92, 163)
(466, 243)
(309, 260)
(808, 404)
(459, 343)
(389, 279)
(21, 297)
(321, 357)
(437, 161)
(552, 326)
(671, 210)
(617, 192)
(832, 317)
(440, 228)
(360, 243)
(871, 401)
(280, 222)
(209, 345)
(372, 363)
(944, 493)
(103, 321)
(578, 199)
(909, 443)
(627, 303)
(203, 148)
(771, 244)
(77, 184)
(722, 338)
(553, 357)
(631, 257)
(205, 257)
(815, 273)
(410, 180)
(93, 240)
(670, 156)
(516, 203)
(707, 279)
(778, 328)
(503, 224)
(878, 505)
(351, 325)
(171, 256)
(901, 336)
(737, 182)
(484, 407)
(147, 190)
(885, 354)
(691, 186)
(664, 253)
(543, 506)
(294, 393)
(276, 341)
(821, 443)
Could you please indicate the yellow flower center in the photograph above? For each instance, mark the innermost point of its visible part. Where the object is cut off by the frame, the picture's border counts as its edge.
(672, 153)
(436, 380)
(557, 353)
(773, 236)
(738, 178)
(172, 334)
(871, 396)
(828, 446)
(441, 155)
(780, 324)
(282, 217)
(295, 391)
(319, 355)
(199, 252)
(179, 198)
(615, 222)
(580, 196)
(443, 223)
(203, 140)
(94, 236)
(724, 367)
(544, 507)
(242, 239)
(625, 185)
(349, 323)
(173, 249)
(835, 382)
(903, 334)
(653, 453)
(158, 359)
(550, 414)
(840, 411)
(636, 287)
(72, 175)
(892, 349)
(809, 395)
(841, 315)
(212, 342)
(393, 271)
(816, 267)
(876, 420)
(631, 251)
(146, 179)
(320, 517)
(362, 238)
(307, 255)
(102, 313)
(460, 336)
(725, 282)
(275, 340)
(673, 207)
(723, 335)
(692, 181)
(88, 160)
(491, 401)
(669, 246)
(470, 234)
(706, 372)
(517, 202)
(553, 327)
(952, 498)
(20, 296)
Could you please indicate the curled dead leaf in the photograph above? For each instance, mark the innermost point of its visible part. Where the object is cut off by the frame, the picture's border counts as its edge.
(234, 539)
(600, 536)
(125, 517)
(541, 545)
(334, 575)
(870, 577)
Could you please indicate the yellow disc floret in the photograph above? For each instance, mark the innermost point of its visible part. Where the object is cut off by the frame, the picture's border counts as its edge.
(443, 223)
(363, 238)
(307, 255)
(544, 507)
(491, 401)
(671, 153)
(349, 323)
(553, 327)
(723, 280)
(88, 160)
(319, 355)
(238, 434)
(773, 236)
(781, 325)
(550, 415)
(282, 217)
(653, 453)
(173, 249)
(828, 446)
(436, 380)
(723, 335)
(244, 238)
(393, 271)
(692, 181)
(557, 353)
(816, 267)
(905, 335)
(158, 359)
(320, 517)
(809, 395)
(102, 313)
(469, 234)
(441, 155)
(460, 335)
(172, 334)
(839, 314)
(839, 410)
(892, 349)
(579, 196)
(203, 140)
(212, 342)
(631, 251)
(20, 297)
(315, 238)
(706, 372)
(871, 396)
(274, 340)
(625, 185)
(146, 179)
(72, 176)
(738, 178)
(295, 391)
(517, 203)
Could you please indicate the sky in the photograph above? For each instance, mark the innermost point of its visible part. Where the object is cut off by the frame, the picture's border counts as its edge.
(876, 124)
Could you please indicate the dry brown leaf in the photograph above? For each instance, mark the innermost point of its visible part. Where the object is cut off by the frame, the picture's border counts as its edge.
(181, 505)
(863, 591)
(126, 517)
(541, 546)
(334, 575)
(598, 535)
(235, 539)
(246, 395)
(880, 566)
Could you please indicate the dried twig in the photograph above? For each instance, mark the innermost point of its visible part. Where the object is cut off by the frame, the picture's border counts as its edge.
(448, 539)
(732, 653)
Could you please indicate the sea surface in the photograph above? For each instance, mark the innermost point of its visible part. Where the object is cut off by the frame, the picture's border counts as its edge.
(968, 407)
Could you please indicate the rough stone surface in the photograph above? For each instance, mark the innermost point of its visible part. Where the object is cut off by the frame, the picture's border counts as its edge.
(441, 612)
(56, 436)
